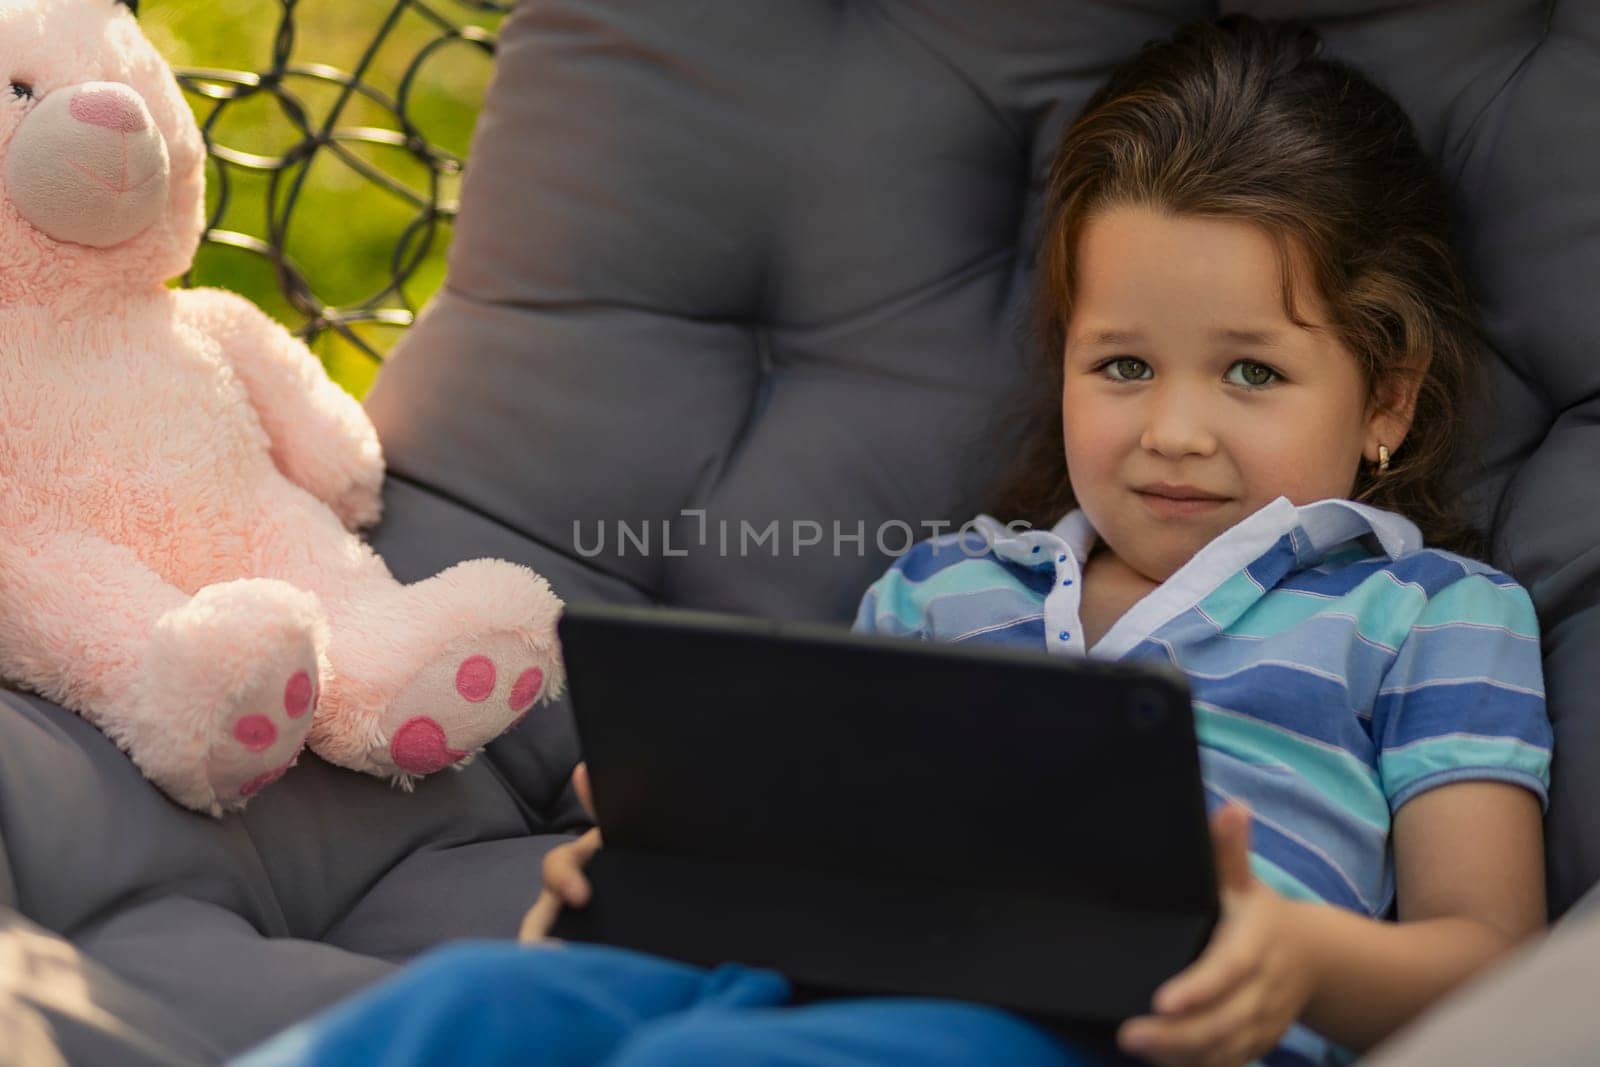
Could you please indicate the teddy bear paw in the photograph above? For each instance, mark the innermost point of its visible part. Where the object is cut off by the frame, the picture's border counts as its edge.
(478, 688)
(236, 673)
(263, 738)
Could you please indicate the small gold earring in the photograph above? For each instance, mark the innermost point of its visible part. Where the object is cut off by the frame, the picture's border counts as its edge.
(1383, 459)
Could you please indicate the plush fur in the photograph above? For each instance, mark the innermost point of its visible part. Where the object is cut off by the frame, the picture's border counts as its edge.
(180, 480)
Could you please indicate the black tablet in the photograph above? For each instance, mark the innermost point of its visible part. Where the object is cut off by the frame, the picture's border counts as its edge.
(876, 815)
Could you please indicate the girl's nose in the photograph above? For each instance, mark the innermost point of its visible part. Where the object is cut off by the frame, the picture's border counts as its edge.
(1177, 427)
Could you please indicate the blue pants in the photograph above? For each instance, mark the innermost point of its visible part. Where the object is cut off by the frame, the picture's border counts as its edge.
(492, 1002)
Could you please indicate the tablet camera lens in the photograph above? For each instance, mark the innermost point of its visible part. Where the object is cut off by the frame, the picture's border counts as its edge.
(1148, 710)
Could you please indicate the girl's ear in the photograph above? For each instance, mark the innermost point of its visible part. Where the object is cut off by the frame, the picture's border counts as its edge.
(1389, 414)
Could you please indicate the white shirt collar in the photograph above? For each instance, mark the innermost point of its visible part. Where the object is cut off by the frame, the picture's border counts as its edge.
(1328, 523)
(1325, 525)
(1075, 530)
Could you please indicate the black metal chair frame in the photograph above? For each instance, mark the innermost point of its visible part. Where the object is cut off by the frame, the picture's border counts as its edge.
(390, 304)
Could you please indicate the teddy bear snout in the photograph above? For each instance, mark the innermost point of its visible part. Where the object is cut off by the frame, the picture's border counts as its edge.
(88, 165)
(113, 108)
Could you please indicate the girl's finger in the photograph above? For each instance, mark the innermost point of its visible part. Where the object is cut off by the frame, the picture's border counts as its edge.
(540, 918)
(570, 886)
(1206, 1035)
(563, 869)
(586, 846)
(580, 785)
(1230, 843)
(1227, 963)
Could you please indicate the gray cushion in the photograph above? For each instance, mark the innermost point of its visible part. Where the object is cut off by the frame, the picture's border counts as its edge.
(1533, 180)
(56, 1004)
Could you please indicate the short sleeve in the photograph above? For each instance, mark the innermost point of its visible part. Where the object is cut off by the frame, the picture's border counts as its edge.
(955, 588)
(891, 605)
(1464, 697)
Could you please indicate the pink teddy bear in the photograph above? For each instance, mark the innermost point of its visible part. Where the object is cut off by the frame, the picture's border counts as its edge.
(179, 479)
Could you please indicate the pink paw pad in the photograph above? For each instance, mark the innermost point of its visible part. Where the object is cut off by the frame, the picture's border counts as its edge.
(475, 679)
(299, 696)
(256, 733)
(526, 689)
(419, 748)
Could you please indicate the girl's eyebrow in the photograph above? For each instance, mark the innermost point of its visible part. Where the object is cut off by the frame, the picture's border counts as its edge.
(1269, 338)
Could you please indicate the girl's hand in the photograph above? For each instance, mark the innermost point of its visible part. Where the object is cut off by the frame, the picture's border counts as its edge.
(564, 883)
(1250, 984)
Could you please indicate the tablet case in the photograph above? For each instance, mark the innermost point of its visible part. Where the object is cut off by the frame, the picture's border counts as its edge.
(874, 815)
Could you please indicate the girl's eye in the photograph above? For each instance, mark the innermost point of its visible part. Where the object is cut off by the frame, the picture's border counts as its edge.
(22, 90)
(1126, 369)
(1251, 375)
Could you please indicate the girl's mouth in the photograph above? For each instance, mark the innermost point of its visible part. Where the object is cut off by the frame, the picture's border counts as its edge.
(1173, 501)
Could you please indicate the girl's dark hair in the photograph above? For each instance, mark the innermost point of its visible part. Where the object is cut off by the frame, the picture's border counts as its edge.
(1242, 118)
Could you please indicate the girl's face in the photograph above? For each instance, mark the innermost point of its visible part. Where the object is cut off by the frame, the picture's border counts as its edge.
(1190, 399)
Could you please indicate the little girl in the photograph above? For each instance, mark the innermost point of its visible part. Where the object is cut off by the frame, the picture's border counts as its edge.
(1258, 347)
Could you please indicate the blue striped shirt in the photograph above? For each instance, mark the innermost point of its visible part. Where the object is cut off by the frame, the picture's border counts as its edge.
(1338, 669)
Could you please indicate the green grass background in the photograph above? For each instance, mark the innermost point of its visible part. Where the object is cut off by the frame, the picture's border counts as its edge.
(344, 228)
